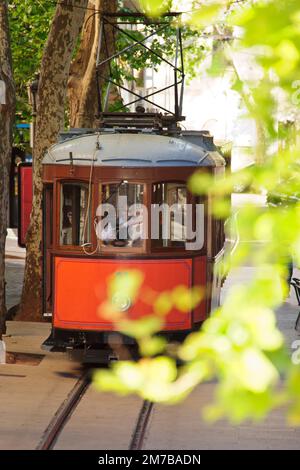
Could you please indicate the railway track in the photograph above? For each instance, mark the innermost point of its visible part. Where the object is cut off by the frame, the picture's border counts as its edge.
(63, 413)
(140, 430)
(67, 408)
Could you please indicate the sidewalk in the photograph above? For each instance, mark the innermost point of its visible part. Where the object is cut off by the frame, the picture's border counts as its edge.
(14, 268)
(14, 273)
(30, 394)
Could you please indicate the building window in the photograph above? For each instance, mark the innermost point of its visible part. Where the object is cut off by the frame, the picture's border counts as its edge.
(120, 218)
(75, 219)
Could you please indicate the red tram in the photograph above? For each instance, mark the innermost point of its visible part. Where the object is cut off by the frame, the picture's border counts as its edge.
(117, 199)
(89, 170)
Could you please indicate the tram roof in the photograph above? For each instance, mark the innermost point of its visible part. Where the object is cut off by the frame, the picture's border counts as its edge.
(135, 150)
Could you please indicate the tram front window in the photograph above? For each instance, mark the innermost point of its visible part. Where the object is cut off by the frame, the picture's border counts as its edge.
(119, 218)
(74, 226)
(170, 203)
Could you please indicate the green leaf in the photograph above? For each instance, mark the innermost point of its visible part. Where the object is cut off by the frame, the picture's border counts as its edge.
(150, 346)
(142, 327)
(206, 15)
(125, 283)
(154, 8)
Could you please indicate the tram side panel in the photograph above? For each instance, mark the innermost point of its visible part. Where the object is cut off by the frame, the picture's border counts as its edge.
(81, 288)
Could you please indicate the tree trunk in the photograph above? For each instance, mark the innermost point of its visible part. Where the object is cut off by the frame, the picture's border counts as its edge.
(54, 74)
(7, 112)
(82, 89)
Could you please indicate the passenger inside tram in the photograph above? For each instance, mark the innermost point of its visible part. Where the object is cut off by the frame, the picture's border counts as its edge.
(67, 227)
(123, 225)
(123, 231)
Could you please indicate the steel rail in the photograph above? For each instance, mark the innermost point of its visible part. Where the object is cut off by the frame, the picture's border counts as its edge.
(63, 414)
(139, 434)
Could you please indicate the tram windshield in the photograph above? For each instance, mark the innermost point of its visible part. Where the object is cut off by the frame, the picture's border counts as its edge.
(74, 225)
(169, 208)
(119, 218)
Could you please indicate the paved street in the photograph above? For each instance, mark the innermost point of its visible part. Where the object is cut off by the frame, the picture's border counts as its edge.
(31, 394)
(14, 268)
(12, 250)
(14, 279)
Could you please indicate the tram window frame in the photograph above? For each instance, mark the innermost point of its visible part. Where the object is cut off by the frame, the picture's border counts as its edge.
(219, 236)
(123, 249)
(156, 245)
(88, 238)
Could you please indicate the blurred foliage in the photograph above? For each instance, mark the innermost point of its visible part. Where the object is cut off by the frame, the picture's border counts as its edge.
(155, 8)
(240, 344)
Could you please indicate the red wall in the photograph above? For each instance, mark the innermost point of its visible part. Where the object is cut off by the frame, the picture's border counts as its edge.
(25, 201)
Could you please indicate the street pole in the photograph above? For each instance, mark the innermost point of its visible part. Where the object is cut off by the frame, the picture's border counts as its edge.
(32, 94)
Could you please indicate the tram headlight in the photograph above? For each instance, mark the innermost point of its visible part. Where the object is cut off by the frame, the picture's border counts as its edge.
(121, 301)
